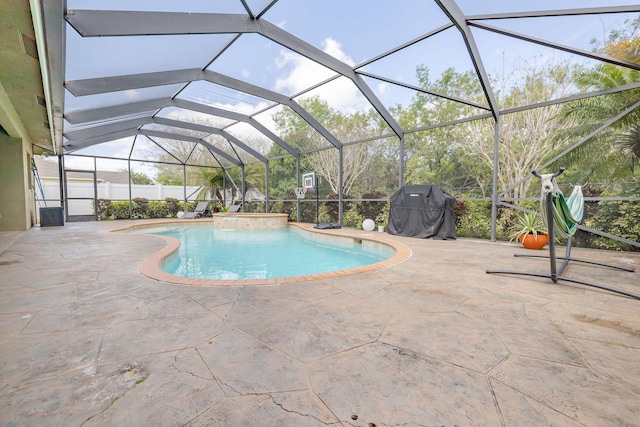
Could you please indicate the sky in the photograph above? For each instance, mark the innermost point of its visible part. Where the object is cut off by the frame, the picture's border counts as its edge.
(351, 31)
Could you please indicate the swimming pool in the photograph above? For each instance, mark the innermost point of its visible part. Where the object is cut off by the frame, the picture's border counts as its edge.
(273, 256)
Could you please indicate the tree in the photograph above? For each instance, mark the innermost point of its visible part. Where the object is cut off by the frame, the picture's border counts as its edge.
(613, 152)
(526, 138)
(282, 173)
(214, 180)
(455, 156)
(345, 127)
(139, 177)
(622, 42)
(436, 155)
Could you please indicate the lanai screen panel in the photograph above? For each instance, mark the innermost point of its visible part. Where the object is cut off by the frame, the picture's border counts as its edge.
(194, 117)
(119, 149)
(343, 110)
(360, 31)
(218, 96)
(92, 57)
(109, 99)
(160, 127)
(219, 6)
(473, 7)
(255, 59)
(250, 136)
(262, 57)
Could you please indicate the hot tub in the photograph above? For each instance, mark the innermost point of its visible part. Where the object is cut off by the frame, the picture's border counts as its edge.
(249, 221)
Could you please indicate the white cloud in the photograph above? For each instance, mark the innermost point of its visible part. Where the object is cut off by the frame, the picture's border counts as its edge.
(266, 118)
(333, 48)
(341, 94)
(133, 94)
(302, 73)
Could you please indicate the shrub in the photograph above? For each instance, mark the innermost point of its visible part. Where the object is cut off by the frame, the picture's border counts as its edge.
(330, 211)
(191, 206)
(330, 207)
(383, 216)
(620, 218)
(325, 214)
(284, 207)
(308, 212)
(139, 207)
(157, 209)
(104, 209)
(120, 210)
(461, 209)
(352, 218)
(253, 207)
(475, 221)
(371, 209)
(173, 206)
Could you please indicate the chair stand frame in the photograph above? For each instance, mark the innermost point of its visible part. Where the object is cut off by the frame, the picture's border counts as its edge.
(556, 273)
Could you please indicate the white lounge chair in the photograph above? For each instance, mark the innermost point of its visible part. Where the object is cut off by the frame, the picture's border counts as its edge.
(234, 208)
(198, 211)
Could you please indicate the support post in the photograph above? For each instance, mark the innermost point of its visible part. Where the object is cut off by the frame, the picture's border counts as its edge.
(61, 178)
(340, 183)
(298, 185)
(494, 185)
(401, 158)
(266, 186)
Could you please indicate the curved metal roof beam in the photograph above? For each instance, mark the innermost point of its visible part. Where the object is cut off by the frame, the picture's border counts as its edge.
(88, 142)
(178, 137)
(93, 23)
(211, 130)
(422, 90)
(122, 110)
(105, 129)
(137, 81)
(248, 9)
(111, 128)
(98, 114)
(547, 43)
(558, 12)
(70, 147)
(188, 105)
(455, 14)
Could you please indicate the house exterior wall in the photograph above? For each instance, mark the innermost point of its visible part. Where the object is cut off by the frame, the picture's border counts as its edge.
(17, 208)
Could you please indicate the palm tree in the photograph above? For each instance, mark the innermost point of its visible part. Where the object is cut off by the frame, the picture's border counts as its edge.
(213, 180)
(603, 155)
(212, 183)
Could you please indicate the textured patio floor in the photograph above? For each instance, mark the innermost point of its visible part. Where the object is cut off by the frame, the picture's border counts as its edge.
(434, 341)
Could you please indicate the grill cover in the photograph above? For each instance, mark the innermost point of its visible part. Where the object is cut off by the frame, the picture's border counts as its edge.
(422, 211)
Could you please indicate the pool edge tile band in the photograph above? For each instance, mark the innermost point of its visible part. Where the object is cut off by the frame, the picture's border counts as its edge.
(151, 266)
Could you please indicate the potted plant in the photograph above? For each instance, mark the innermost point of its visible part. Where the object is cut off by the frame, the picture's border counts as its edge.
(216, 205)
(530, 231)
(382, 218)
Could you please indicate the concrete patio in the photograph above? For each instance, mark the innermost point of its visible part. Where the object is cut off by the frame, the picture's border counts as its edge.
(433, 341)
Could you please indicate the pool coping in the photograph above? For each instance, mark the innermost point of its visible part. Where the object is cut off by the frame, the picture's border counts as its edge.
(150, 266)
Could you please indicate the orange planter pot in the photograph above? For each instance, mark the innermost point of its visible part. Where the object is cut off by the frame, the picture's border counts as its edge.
(529, 242)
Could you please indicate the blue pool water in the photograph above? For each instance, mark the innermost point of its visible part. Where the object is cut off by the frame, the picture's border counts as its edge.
(210, 253)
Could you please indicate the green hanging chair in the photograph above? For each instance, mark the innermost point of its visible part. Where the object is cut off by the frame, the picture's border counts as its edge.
(567, 213)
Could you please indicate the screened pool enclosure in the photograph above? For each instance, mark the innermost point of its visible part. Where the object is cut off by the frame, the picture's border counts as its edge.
(239, 98)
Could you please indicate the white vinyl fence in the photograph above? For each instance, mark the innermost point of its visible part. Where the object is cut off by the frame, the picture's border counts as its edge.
(106, 190)
(114, 192)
